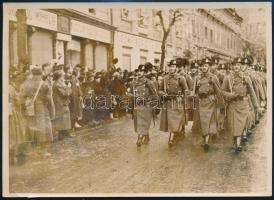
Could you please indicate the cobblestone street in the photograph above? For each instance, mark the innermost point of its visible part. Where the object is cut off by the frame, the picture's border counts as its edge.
(106, 160)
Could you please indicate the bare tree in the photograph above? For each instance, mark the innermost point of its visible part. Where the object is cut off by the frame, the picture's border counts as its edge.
(175, 15)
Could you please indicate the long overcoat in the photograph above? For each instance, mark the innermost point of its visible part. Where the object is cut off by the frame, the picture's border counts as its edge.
(39, 125)
(210, 96)
(16, 121)
(173, 116)
(142, 90)
(61, 98)
(238, 109)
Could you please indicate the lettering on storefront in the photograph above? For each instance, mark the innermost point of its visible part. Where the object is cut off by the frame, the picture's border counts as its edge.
(63, 24)
(91, 32)
(38, 18)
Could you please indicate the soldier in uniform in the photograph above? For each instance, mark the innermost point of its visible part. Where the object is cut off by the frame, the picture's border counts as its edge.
(236, 89)
(194, 73)
(173, 88)
(182, 65)
(251, 117)
(209, 97)
(141, 90)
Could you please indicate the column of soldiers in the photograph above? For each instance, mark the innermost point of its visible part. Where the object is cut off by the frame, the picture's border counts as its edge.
(220, 98)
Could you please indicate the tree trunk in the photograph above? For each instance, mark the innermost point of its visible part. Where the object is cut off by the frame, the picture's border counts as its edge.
(163, 48)
(22, 37)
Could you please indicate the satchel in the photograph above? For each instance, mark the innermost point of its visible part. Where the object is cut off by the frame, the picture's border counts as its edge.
(29, 103)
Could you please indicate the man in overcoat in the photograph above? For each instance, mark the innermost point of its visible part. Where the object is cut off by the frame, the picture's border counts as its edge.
(236, 89)
(209, 93)
(173, 117)
(142, 89)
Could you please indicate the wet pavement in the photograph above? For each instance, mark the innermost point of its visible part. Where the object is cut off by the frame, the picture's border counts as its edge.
(106, 160)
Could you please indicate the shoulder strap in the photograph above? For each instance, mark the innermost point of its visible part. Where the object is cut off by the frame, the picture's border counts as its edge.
(37, 91)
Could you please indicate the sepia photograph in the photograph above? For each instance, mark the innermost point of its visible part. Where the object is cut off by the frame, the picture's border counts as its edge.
(137, 99)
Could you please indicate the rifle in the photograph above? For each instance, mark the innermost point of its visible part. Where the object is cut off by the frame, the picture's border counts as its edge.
(192, 93)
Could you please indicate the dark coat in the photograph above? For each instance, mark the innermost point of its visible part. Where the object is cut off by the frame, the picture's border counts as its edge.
(61, 98)
(16, 121)
(39, 125)
(75, 104)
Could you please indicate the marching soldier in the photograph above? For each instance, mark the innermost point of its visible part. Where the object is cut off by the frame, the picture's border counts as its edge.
(142, 89)
(236, 89)
(182, 64)
(251, 117)
(209, 96)
(172, 89)
(196, 128)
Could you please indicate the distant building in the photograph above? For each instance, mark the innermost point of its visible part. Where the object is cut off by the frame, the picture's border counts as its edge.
(215, 31)
(94, 36)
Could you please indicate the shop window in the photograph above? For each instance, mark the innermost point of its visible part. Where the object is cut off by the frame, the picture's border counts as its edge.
(101, 58)
(41, 47)
(89, 56)
(126, 62)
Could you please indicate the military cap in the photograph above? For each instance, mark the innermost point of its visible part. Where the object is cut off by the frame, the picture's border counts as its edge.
(215, 60)
(141, 68)
(182, 62)
(57, 67)
(237, 60)
(98, 75)
(221, 66)
(206, 60)
(36, 70)
(194, 65)
(148, 66)
(173, 62)
(89, 74)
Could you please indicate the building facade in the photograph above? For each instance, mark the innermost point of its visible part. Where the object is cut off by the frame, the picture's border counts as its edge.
(213, 32)
(72, 36)
(94, 36)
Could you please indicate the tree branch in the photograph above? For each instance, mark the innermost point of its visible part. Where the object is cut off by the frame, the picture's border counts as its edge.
(159, 13)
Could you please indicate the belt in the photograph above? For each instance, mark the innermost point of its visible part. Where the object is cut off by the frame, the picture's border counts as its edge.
(240, 98)
(203, 96)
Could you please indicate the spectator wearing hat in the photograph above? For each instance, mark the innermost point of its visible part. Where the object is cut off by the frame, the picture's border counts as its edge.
(17, 136)
(37, 106)
(236, 89)
(61, 97)
(75, 102)
(88, 99)
(209, 95)
(173, 88)
(102, 100)
(141, 89)
(118, 90)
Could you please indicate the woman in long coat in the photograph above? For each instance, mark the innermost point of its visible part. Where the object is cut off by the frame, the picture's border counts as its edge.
(236, 89)
(17, 136)
(75, 104)
(39, 123)
(61, 98)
